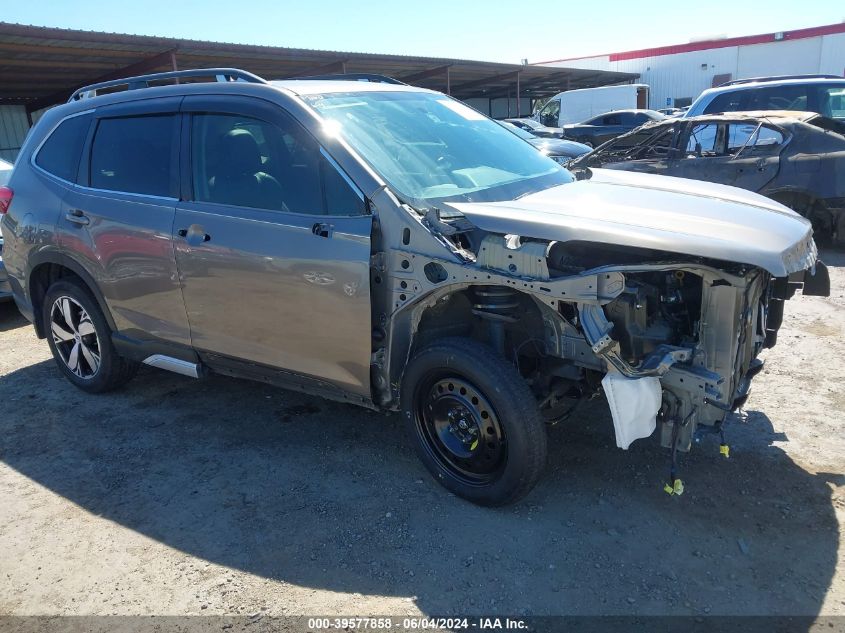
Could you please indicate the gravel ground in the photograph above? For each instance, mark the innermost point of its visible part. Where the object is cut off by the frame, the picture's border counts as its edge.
(176, 497)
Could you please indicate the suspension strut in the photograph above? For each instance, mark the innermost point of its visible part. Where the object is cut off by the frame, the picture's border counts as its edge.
(497, 305)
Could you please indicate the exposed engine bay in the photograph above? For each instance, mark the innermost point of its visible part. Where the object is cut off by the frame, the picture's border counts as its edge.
(675, 338)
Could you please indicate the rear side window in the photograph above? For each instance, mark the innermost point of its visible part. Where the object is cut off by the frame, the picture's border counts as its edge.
(743, 136)
(60, 154)
(134, 155)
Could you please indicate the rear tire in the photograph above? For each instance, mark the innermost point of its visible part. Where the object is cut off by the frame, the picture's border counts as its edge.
(80, 339)
(474, 422)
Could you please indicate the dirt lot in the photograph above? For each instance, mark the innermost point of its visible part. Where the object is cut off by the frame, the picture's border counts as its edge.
(176, 496)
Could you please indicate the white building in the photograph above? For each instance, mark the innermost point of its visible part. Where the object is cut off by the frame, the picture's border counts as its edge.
(678, 74)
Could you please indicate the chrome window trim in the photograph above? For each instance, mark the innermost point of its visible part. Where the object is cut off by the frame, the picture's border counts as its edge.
(86, 189)
(183, 204)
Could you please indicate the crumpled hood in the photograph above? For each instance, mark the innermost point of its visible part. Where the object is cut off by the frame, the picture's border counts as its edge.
(677, 215)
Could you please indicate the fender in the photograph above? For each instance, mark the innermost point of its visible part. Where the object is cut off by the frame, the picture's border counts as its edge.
(59, 258)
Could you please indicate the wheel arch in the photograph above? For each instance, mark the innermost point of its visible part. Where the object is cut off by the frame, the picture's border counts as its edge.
(446, 312)
(48, 267)
(810, 206)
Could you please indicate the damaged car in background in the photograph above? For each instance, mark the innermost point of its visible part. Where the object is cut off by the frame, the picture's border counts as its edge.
(406, 254)
(559, 150)
(795, 158)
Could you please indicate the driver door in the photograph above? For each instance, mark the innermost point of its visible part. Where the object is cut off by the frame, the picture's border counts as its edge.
(272, 246)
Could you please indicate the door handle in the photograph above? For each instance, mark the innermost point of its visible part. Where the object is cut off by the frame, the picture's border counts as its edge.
(195, 232)
(322, 229)
(77, 216)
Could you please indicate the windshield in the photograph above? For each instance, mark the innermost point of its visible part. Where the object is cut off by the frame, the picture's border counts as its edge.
(429, 147)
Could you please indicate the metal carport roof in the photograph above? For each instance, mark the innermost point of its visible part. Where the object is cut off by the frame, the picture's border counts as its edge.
(41, 66)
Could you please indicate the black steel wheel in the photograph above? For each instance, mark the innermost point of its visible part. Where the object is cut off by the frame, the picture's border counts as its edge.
(474, 422)
(461, 428)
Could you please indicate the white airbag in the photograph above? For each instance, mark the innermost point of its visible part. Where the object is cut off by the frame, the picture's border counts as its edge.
(634, 403)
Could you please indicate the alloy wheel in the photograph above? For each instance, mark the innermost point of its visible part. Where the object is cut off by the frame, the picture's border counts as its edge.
(75, 337)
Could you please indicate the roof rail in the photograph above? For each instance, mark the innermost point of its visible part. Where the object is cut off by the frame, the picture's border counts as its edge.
(371, 77)
(143, 81)
(776, 78)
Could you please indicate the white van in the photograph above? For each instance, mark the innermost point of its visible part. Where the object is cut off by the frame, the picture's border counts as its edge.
(574, 106)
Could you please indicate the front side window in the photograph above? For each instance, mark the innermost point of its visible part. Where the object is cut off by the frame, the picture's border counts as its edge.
(134, 155)
(703, 139)
(725, 102)
(634, 145)
(61, 152)
(658, 147)
(246, 162)
(550, 113)
(429, 147)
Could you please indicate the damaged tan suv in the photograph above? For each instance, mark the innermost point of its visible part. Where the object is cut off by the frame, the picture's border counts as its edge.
(388, 246)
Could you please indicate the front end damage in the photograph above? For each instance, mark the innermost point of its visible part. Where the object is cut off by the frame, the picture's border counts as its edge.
(674, 340)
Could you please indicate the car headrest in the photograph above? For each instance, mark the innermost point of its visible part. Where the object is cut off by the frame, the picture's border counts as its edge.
(239, 153)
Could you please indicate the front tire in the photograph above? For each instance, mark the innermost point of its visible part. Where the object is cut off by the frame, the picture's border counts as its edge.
(80, 339)
(474, 422)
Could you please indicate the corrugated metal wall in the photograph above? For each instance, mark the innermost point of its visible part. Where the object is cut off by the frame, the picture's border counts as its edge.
(686, 75)
(498, 108)
(13, 129)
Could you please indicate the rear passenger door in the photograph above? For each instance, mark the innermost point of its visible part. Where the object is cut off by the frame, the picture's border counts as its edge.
(118, 219)
(736, 153)
(755, 154)
(272, 244)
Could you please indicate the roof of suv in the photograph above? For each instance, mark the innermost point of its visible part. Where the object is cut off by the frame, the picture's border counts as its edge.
(325, 86)
(707, 96)
(753, 83)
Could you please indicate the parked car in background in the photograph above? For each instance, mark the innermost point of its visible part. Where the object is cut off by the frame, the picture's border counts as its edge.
(796, 158)
(537, 129)
(600, 129)
(388, 246)
(572, 106)
(671, 111)
(5, 171)
(5, 174)
(560, 151)
(823, 94)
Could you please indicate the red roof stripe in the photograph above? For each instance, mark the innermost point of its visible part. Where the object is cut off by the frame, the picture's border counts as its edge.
(798, 34)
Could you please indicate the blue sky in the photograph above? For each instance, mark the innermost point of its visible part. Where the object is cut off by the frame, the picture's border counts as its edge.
(493, 30)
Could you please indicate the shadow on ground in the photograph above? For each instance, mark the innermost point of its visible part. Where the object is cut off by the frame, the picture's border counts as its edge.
(329, 496)
(10, 318)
